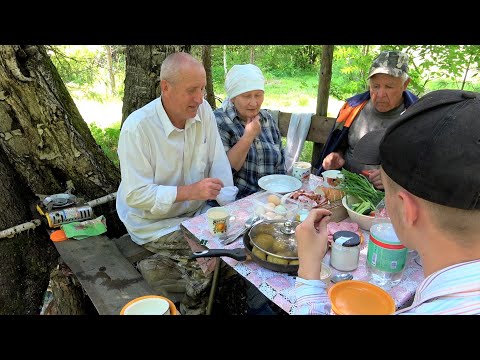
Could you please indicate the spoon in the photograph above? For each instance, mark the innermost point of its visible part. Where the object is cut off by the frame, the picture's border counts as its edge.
(248, 224)
(341, 277)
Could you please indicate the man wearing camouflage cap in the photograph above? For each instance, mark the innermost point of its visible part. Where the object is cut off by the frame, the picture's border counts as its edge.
(374, 109)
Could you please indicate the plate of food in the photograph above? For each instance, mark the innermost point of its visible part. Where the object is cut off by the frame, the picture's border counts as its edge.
(281, 184)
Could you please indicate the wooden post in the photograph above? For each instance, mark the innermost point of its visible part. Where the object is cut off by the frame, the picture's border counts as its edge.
(325, 77)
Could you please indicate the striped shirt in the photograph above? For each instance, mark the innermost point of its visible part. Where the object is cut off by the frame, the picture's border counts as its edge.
(266, 155)
(454, 290)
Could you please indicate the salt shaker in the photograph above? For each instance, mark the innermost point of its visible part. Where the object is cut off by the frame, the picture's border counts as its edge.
(345, 250)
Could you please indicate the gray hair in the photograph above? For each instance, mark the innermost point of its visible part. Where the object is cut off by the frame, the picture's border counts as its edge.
(404, 78)
(173, 63)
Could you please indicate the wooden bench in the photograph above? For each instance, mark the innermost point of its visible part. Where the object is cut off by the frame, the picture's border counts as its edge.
(105, 270)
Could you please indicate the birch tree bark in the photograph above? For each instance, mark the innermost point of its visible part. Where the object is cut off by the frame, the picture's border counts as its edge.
(45, 148)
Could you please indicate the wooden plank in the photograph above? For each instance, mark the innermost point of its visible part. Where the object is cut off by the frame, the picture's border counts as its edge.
(109, 279)
(132, 252)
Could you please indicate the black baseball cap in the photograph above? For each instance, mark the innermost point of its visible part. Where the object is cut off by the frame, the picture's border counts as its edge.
(432, 149)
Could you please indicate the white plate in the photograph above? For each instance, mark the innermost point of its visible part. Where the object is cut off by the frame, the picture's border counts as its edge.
(280, 184)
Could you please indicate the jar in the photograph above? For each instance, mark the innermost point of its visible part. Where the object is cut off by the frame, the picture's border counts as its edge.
(345, 250)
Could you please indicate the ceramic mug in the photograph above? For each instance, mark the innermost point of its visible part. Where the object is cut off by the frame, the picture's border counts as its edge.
(217, 218)
(301, 170)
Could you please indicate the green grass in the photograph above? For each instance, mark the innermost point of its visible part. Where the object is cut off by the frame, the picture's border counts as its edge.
(107, 139)
(307, 150)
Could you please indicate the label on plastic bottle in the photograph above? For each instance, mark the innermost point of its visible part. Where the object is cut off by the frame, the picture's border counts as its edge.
(385, 252)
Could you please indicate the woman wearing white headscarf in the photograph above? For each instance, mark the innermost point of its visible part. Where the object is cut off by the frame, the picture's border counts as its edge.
(249, 134)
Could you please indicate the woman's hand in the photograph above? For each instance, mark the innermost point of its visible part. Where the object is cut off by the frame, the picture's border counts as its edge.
(253, 127)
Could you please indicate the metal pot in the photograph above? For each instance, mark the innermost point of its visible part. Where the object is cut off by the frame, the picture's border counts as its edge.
(275, 238)
(248, 253)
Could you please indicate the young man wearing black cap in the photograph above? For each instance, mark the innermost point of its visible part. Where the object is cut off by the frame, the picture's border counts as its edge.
(430, 167)
(374, 109)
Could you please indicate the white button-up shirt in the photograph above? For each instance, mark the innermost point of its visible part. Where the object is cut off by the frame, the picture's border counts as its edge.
(155, 158)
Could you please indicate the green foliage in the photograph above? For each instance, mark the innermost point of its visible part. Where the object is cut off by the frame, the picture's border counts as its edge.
(87, 72)
(350, 67)
(278, 60)
(291, 73)
(108, 140)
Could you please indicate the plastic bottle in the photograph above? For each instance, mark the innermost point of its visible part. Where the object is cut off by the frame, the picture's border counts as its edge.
(386, 256)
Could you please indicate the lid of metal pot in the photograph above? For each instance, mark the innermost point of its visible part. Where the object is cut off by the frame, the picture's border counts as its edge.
(275, 238)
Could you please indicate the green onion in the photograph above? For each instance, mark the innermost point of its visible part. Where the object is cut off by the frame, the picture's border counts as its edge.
(357, 185)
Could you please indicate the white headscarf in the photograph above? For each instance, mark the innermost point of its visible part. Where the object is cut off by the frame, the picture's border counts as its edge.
(241, 79)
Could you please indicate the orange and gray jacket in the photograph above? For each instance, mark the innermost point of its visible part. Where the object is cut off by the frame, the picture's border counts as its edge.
(347, 114)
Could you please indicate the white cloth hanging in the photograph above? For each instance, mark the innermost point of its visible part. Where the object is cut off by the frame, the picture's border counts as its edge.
(296, 135)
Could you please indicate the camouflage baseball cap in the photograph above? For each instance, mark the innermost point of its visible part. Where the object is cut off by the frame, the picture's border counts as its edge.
(393, 63)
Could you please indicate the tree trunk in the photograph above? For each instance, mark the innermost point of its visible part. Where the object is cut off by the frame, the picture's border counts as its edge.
(325, 76)
(111, 73)
(26, 259)
(466, 73)
(207, 64)
(45, 147)
(142, 74)
(225, 61)
(68, 296)
(252, 54)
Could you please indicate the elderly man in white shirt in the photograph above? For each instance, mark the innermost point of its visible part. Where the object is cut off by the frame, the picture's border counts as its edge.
(172, 161)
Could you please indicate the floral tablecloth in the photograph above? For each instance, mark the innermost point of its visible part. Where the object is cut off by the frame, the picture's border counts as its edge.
(279, 287)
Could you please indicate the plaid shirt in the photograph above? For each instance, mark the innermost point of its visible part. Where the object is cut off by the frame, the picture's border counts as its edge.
(266, 155)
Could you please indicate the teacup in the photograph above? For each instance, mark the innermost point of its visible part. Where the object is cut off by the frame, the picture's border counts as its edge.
(301, 170)
(218, 221)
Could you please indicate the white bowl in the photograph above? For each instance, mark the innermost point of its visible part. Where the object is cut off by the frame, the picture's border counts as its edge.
(364, 221)
(148, 305)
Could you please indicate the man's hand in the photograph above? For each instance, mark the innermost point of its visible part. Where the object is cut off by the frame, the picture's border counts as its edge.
(333, 161)
(312, 242)
(206, 189)
(374, 177)
(253, 127)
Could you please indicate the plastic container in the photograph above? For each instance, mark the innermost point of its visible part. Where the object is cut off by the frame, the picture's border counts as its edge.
(345, 251)
(353, 297)
(386, 256)
(273, 206)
